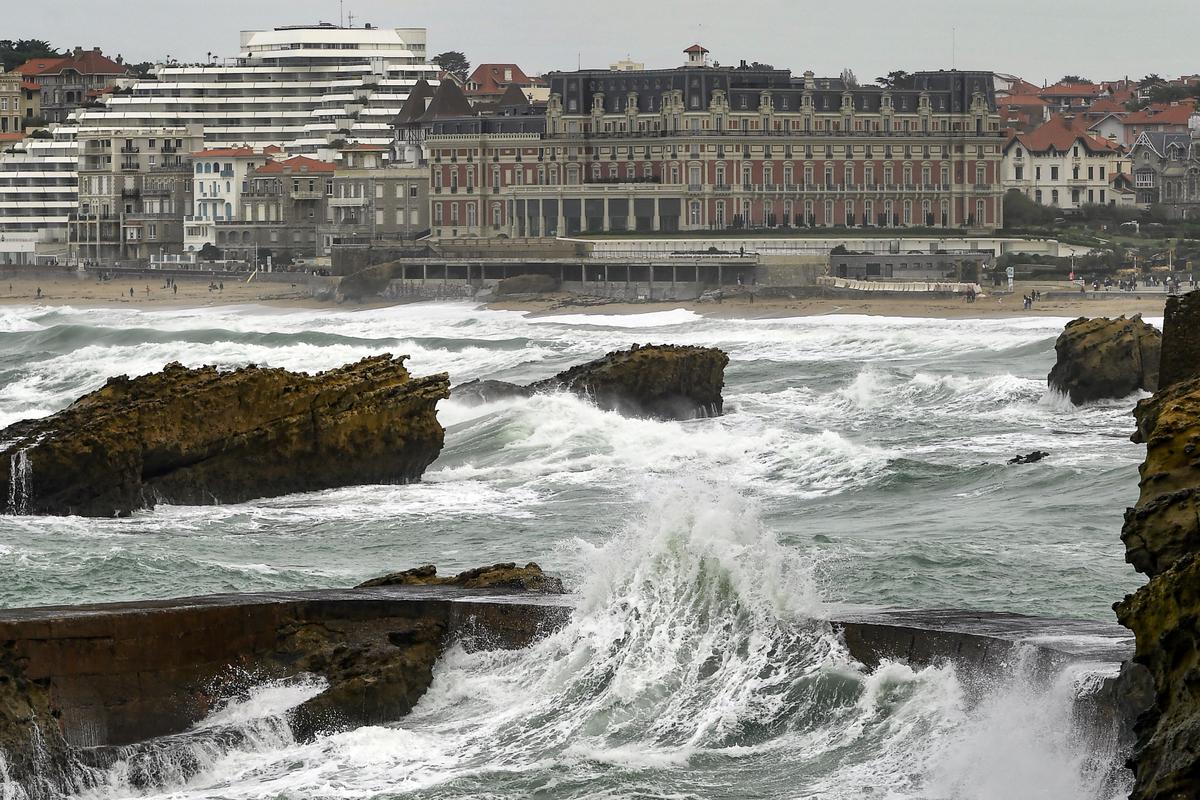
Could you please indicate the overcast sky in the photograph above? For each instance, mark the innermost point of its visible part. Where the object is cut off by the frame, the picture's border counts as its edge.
(1040, 40)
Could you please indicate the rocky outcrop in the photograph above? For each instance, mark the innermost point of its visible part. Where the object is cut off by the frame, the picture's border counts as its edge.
(507, 577)
(370, 283)
(1106, 358)
(85, 686)
(527, 284)
(202, 436)
(1162, 540)
(660, 381)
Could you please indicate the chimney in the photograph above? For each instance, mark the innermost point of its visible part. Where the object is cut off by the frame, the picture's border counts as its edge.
(96, 50)
(77, 52)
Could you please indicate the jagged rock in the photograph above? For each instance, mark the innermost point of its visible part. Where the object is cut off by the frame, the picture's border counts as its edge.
(660, 381)
(370, 283)
(477, 392)
(1031, 458)
(1106, 358)
(527, 284)
(507, 576)
(1162, 539)
(202, 436)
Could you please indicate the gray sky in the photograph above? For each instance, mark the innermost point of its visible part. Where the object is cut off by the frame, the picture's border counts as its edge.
(1040, 40)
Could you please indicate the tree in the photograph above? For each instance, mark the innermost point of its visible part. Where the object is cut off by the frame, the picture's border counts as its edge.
(1150, 80)
(1021, 212)
(455, 63)
(14, 53)
(849, 78)
(894, 79)
(1073, 79)
(210, 252)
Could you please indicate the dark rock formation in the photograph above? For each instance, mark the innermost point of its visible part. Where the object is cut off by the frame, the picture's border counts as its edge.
(508, 577)
(1162, 540)
(527, 284)
(1180, 328)
(477, 392)
(1106, 358)
(660, 381)
(94, 684)
(1030, 458)
(199, 436)
(370, 283)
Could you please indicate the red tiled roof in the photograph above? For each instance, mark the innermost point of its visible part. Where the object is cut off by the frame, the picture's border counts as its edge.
(1023, 87)
(36, 66)
(88, 62)
(490, 78)
(1163, 114)
(696, 49)
(1107, 105)
(271, 149)
(30, 85)
(295, 164)
(1071, 90)
(16, 136)
(1061, 134)
(1022, 100)
(227, 152)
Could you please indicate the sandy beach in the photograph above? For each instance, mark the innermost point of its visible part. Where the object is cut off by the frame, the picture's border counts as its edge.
(1058, 301)
(65, 289)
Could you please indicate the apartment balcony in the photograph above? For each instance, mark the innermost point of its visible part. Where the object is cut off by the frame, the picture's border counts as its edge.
(226, 173)
(168, 149)
(130, 166)
(130, 149)
(304, 194)
(131, 194)
(348, 202)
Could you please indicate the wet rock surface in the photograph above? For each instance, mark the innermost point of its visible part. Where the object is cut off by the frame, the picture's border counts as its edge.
(1103, 358)
(204, 436)
(507, 576)
(1162, 540)
(661, 381)
(1029, 458)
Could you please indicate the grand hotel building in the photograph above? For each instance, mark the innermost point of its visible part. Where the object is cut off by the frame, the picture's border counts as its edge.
(713, 148)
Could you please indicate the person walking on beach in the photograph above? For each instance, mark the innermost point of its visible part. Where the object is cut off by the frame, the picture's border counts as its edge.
(131, 291)
(175, 287)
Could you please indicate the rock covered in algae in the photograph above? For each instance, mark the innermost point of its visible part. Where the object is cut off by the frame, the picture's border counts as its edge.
(659, 381)
(202, 436)
(507, 576)
(1105, 358)
(1162, 540)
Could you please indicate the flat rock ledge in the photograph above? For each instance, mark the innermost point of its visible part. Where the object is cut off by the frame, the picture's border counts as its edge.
(507, 577)
(670, 382)
(1162, 540)
(1102, 358)
(205, 436)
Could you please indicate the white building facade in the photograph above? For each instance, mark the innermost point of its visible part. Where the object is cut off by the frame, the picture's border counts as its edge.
(1061, 167)
(309, 89)
(217, 183)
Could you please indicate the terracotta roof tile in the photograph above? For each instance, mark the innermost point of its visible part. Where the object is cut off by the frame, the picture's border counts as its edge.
(296, 165)
(1163, 114)
(1061, 134)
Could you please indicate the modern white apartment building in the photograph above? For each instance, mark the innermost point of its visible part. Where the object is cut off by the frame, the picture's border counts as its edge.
(308, 89)
(38, 192)
(303, 88)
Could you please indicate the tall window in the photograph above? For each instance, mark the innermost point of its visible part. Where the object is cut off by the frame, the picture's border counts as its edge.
(720, 214)
(828, 213)
(908, 212)
(694, 213)
(472, 221)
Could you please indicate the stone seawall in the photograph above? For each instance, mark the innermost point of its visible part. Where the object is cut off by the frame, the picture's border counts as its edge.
(77, 681)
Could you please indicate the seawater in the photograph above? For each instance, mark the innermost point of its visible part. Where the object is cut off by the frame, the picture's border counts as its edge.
(861, 461)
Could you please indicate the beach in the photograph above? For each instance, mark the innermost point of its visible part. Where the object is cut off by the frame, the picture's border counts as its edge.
(1059, 300)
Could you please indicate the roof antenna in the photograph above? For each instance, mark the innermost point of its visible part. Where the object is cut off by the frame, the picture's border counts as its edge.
(341, 13)
(350, 19)
(953, 47)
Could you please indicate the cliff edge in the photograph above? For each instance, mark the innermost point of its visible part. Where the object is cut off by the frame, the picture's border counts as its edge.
(1104, 358)
(1162, 540)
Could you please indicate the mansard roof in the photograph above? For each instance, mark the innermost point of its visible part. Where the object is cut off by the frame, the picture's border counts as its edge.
(948, 90)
